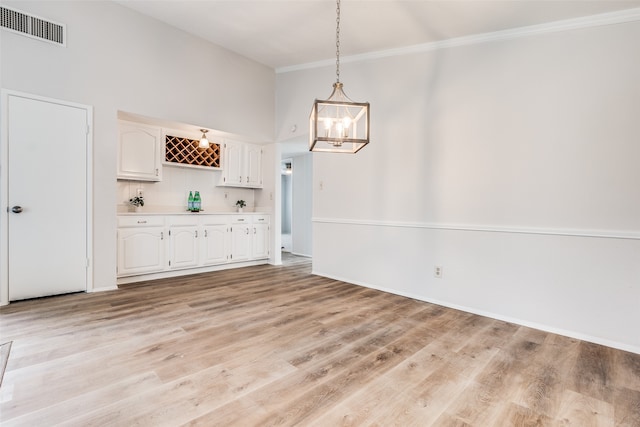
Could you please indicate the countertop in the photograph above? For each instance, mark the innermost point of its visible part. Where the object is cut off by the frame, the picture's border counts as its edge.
(190, 213)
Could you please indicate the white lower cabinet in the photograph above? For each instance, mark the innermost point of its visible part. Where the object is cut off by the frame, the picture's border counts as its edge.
(183, 242)
(260, 240)
(214, 243)
(141, 245)
(158, 243)
(241, 238)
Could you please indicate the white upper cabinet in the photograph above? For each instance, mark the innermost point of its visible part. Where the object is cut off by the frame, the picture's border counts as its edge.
(139, 152)
(242, 165)
(233, 164)
(253, 158)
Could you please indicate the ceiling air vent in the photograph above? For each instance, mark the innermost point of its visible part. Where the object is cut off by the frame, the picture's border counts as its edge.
(32, 26)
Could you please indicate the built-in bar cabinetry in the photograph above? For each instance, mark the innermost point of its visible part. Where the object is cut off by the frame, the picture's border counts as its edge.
(143, 150)
(153, 245)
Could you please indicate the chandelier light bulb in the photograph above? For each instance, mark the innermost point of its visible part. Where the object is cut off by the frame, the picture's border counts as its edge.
(346, 122)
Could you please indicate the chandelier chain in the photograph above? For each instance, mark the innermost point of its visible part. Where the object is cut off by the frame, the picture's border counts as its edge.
(338, 41)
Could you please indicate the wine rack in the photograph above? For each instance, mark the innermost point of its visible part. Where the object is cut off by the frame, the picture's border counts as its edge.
(185, 151)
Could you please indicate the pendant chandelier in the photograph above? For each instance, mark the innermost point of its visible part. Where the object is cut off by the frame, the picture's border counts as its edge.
(338, 125)
(204, 142)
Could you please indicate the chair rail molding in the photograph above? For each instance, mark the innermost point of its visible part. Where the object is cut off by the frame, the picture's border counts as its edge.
(571, 232)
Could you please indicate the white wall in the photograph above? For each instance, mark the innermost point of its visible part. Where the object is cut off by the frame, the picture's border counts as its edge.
(285, 218)
(513, 164)
(171, 194)
(117, 59)
(302, 195)
(267, 199)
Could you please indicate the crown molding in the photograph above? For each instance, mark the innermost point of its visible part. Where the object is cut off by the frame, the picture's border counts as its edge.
(610, 18)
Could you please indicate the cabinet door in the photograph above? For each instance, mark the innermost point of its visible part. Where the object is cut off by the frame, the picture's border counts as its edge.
(240, 242)
(253, 166)
(139, 152)
(140, 250)
(232, 158)
(260, 244)
(213, 244)
(184, 246)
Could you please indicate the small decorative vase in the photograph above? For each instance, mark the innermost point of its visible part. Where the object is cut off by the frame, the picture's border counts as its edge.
(138, 209)
(240, 210)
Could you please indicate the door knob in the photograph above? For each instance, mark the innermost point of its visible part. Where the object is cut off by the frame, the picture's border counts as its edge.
(16, 209)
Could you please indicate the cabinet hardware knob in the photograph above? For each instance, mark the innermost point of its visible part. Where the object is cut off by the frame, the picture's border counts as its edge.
(16, 209)
(206, 234)
(162, 235)
(196, 234)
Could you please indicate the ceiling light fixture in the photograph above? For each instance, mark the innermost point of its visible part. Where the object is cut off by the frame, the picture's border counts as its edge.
(338, 125)
(204, 142)
(286, 170)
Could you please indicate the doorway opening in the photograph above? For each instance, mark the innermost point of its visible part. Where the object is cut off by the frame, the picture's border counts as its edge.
(286, 171)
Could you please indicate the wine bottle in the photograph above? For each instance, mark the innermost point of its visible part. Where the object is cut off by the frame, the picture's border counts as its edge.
(190, 202)
(197, 202)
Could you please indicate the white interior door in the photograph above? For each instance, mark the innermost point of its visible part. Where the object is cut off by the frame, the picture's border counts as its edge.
(47, 145)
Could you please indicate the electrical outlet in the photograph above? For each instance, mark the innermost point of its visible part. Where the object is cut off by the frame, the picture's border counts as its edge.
(139, 192)
(437, 272)
(226, 194)
(321, 185)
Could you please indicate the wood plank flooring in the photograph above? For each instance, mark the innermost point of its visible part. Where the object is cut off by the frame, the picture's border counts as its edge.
(275, 345)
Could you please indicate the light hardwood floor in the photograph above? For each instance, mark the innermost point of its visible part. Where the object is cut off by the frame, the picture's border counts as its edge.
(275, 345)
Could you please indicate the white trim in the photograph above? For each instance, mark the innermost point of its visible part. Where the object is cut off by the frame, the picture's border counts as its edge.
(611, 18)
(4, 187)
(4, 200)
(592, 233)
(123, 280)
(299, 254)
(89, 195)
(534, 325)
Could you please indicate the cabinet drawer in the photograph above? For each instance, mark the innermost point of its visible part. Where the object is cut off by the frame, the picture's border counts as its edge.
(214, 220)
(141, 221)
(261, 219)
(182, 220)
(241, 219)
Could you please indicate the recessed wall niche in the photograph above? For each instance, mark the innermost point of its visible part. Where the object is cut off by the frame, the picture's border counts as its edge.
(185, 151)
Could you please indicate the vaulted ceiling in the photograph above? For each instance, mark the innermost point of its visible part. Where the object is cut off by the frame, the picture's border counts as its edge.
(284, 33)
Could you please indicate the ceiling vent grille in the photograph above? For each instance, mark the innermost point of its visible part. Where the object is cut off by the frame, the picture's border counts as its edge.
(32, 26)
